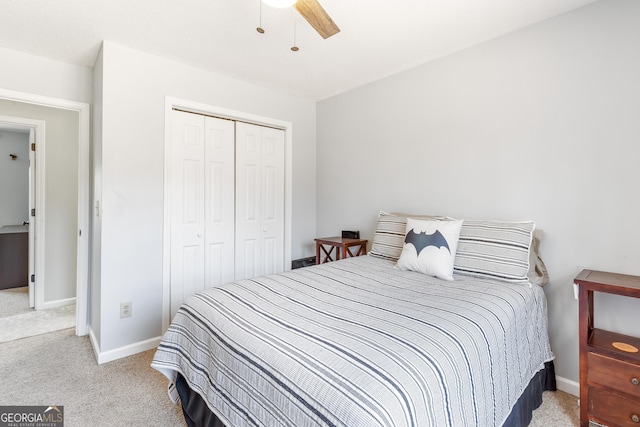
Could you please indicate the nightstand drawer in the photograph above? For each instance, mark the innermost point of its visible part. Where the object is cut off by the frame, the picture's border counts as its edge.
(614, 374)
(612, 409)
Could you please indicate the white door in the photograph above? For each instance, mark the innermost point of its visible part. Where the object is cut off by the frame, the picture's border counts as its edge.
(201, 204)
(219, 201)
(187, 213)
(259, 200)
(32, 220)
(273, 200)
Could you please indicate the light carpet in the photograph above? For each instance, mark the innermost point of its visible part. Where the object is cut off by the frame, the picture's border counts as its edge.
(558, 409)
(14, 301)
(39, 322)
(60, 369)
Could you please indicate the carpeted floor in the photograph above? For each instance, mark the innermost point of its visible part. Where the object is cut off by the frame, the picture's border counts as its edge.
(14, 301)
(17, 320)
(59, 368)
(558, 409)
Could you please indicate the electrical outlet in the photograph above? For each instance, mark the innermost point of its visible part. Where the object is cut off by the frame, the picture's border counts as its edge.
(125, 309)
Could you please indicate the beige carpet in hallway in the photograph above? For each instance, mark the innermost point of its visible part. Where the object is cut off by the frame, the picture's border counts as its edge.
(59, 368)
(14, 301)
(17, 320)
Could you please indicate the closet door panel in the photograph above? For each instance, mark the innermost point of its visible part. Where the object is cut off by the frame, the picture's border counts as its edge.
(248, 200)
(250, 266)
(219, 201)
(273, 200)
(270, 256)
(187, 210)
(248, 222)
(191, 271)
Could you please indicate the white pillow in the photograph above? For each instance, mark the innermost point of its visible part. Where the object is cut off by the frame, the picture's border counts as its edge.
(430, 247)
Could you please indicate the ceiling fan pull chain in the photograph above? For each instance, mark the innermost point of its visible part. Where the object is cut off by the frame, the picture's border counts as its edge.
(294, 47)
(260, 29)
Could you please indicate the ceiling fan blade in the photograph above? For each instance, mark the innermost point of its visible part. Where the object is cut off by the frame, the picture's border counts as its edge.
(317, 17)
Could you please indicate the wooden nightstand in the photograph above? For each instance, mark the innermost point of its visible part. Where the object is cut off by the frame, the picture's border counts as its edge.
(609, 361)
(342, 247)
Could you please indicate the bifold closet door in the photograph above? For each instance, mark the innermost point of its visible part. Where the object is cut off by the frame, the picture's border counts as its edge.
(202, 204)
(259, 200)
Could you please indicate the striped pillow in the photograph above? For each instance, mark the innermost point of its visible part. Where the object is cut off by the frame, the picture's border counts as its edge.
(388, 239)
(494, 249)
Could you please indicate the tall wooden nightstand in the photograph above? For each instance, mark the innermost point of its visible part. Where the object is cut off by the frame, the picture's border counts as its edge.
(342, 247)
(609, 361)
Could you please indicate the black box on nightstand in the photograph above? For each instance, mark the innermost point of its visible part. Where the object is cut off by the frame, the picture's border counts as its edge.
(346, 234)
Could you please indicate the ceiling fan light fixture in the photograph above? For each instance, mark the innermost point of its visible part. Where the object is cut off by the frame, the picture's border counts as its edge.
(280, 3)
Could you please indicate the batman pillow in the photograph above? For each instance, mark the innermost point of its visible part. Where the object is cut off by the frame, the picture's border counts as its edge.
(430, 247)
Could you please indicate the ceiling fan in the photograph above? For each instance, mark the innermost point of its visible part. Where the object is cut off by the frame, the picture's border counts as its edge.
(310, 10)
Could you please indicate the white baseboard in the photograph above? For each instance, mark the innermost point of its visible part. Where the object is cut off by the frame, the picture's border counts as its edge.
(94, 343)
(57, 303)
(568, 386)
(120, 352)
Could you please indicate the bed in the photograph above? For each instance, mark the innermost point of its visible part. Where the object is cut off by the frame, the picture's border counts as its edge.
(360, 342)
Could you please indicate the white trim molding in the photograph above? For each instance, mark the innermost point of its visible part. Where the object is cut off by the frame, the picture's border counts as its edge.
(82, 262)
(58, 303)
(120, 352)
(568, 386)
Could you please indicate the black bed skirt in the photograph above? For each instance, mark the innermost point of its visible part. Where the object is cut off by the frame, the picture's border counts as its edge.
(531, 399)
(197, 413)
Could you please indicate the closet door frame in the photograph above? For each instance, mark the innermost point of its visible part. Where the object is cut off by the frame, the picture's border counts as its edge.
(211, 110)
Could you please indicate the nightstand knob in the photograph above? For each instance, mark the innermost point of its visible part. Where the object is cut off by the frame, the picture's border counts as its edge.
(635, 418)
(635, 381)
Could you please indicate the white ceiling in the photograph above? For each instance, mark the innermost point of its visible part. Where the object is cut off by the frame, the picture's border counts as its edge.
(378, 37)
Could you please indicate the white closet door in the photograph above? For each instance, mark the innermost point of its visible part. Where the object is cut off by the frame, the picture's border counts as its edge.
(187, 210)
(272, 200)
(259, 200)
(219, 201)
(202, 198)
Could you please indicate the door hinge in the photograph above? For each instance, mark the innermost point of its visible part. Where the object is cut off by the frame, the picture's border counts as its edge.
(33, 278)
(33, 146)
(33, 212)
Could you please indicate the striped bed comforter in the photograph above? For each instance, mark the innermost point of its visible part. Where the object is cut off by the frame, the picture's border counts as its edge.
(358, 342)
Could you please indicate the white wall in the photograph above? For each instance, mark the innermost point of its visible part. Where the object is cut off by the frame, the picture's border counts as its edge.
(134, 86)
(14, 177)
(61, 194)
(539, 124)
(27, 73)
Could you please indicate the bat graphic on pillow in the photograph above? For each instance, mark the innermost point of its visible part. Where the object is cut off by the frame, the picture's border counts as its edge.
(422, 240)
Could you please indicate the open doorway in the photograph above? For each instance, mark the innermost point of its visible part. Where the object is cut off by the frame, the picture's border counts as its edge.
(18, 193)
(61, 221)
(16, 239)
(21, 235)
